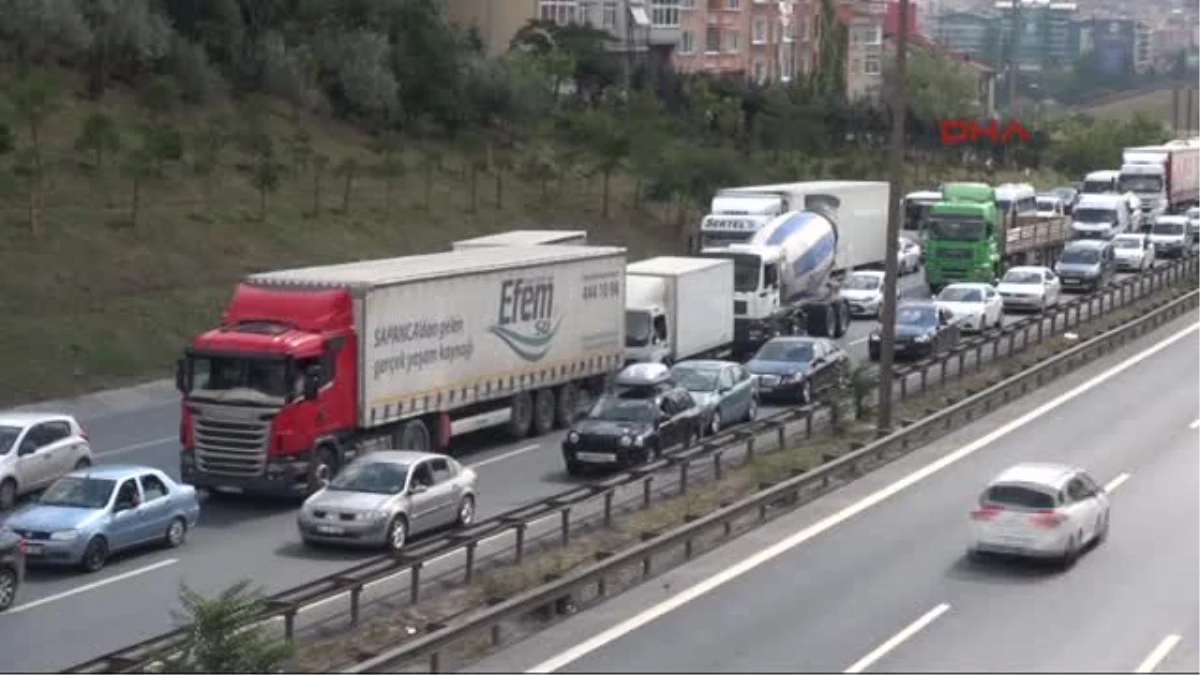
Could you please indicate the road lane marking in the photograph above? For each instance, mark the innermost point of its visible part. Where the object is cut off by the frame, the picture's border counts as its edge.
(92, 586)
(860, 341)
(504, 456)
(1160, 652)
(1194, 425)
(898, 639)
(1116, 482)
(135, 446)
(730, 573)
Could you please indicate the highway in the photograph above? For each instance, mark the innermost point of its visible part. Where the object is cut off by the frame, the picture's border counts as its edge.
(873, 577)
(238, 538)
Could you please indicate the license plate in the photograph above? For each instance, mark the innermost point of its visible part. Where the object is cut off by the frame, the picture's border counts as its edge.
(34, 549)
(1070, 281)
(330, 529)
(596, 456)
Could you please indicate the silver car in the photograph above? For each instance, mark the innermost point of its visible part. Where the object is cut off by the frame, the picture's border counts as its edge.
(724, 390)
(37, 449)
(384, 497)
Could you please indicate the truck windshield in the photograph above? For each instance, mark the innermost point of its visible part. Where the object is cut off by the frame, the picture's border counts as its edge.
(915, 212)
(1097, 187)
(746, 270)
(638, 328)
(1047, 205)
(957, 228)
(254, 379)
(1127, 242)
(1168, 228)
(1080, 256)
(1094, 215)
(1140, 184)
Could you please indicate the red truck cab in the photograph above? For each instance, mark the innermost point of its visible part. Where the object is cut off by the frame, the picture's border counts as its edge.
(269, 395)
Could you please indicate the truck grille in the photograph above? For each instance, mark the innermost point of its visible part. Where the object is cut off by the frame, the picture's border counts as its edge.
(955, 253)
(739, 307)
(233, 447)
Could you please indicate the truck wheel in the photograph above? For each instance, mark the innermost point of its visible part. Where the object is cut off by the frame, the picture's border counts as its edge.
(414, 435)
(818, 320)
(324, 466)
(543, 412)
(522, 415)
(842, 310)
(567, 402)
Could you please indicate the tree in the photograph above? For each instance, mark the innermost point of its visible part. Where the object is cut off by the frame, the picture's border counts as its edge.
(265, 175)
(35, 98)
(608, 140)
(390, 165)
(320, 164)
(208, 145)
(99, 136)
(160, 96)
(37, 31)
(348, 170)
(127, 38)
(139, 167)
(222, 636)
(155, 145)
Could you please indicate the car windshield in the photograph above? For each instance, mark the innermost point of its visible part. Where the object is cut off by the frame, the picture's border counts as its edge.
(78, 492)
(789, 350)
(8, 436)
(1193, 213)
(382, 478)
(1047, 204)
(637, 328)
(1023, 276)
(960, 294)
(916, 316)
(956, 228)
(1079, 256)
(1097, 187)
(1065, 194)
(1094, 215)
(1168, 228)
(696, 378)
(863, 282)
(619, 409)
(251, 379)
(915, 211)
(1127, 242)
(1139, 184)
(1018, 497)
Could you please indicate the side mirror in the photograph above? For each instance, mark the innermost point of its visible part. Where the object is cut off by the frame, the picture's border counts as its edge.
(182, 383)
(312, 383)
(418, 488)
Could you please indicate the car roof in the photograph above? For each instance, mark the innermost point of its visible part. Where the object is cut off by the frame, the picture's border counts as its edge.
(1171, 220)
(871, 273)
(643, 373)
(24, 419)
(794, 339)
(929, 304)
(706, 363)
(1087, 243)
(115, 471)
(400, 456)
(1101, 200)
(1130, 235)
(1027, 268)
(1037, 473)
(969, 284)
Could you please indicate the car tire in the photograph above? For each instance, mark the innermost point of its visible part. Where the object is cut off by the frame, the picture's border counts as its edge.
(466, 512)
(176, 533)
(1102, 531)
(95, 555)
(1071, 554)
(752, 411)
(544, 411)
(8, 587)
(8, 494)
(397, 534)
(324, 469)
(82, 464)
(714, 424)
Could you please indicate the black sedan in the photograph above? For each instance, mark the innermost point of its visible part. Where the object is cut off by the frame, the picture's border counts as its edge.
(793, 368)
(626, 430)
(922, 329)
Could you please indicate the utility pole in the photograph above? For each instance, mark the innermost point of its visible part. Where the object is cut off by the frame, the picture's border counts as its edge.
(887, 338)
(1014, 46)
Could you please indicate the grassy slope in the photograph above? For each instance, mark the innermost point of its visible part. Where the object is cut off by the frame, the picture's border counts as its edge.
(1155, 104)
(91, 302)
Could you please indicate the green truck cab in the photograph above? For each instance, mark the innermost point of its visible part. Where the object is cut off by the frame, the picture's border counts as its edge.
(963, 234)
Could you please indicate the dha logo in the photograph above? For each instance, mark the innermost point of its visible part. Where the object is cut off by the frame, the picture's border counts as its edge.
(526, 321)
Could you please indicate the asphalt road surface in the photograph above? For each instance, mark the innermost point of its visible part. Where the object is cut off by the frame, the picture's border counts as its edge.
(874, 578)
(132, 599)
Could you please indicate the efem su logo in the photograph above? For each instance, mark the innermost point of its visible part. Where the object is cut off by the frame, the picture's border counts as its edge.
(959, 132)
(526, 321)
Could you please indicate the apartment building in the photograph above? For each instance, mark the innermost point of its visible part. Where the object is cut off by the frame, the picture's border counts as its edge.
(764, 40)
(1047, 37)
(864, 21)
(967, 33)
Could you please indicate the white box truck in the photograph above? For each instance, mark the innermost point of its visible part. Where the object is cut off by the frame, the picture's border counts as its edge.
(1165, 178)
(678, 308)
(524, 238)
(310, 367)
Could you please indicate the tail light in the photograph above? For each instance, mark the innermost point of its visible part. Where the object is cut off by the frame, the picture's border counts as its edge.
(986, 513)
(21, 546)
(1048, 518)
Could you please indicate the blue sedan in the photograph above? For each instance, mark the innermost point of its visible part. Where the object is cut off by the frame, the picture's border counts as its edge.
(91, 513)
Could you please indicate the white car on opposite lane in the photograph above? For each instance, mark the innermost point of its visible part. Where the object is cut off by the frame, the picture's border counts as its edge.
(1036, 510)
(1029, 288)
(975, 306)
(37, 449)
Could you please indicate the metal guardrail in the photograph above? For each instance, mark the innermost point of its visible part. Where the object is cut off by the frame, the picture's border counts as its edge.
(792, 491)
(913, 380)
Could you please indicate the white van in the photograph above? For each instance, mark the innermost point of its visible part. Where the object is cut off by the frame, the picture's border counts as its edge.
(1018, 198)
(1101, 183)
(1100, 217)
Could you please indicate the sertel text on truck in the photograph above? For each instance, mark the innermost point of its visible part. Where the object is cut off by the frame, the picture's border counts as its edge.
(311, 367)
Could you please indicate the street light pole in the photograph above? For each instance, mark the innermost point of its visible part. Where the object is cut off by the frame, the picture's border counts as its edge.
(887, 335)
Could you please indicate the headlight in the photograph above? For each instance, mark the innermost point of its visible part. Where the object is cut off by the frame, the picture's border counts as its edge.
(374, 515)
(639, 441)
(573, 437)
(626, 441)
(64, 535)
(923, 338)
(874, 337)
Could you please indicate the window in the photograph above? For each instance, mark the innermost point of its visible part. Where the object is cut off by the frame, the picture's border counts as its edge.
(127, 495)
(153, 488)
(787, 67)
(442, 471)
(687, 42)
(725, 381)
(733, 5)
(609, 18)
(664, 13)
(712, 40)
(871, 65)
(874, 35)
(760, 31)
(760, 72)
(733, 42)
(803, 29)
(559, 11)
(786, 33)
(687, 4)
(422, 475)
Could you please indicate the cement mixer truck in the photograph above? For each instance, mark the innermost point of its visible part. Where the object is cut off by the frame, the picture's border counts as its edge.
(786, 275)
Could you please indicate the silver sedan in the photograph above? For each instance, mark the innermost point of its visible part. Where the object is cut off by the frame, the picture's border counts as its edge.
(723, 389)
(384, 497)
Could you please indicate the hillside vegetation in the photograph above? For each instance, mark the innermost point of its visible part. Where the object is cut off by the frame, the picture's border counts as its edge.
(153, 151)
(1155, 105)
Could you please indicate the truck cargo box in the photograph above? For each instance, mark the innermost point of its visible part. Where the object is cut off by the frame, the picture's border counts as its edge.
(438, 332)
(695, 294)
(524, 238)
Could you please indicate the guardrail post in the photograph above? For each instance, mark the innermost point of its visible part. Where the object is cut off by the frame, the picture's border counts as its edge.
(435, 662)
(646, 487)
(519, 545)
(608, 504)
(565, 517)
(808, 424)
(903, 385)
(924, 377)
(996, 345)
(683, 477)
(289, 623)
(962, 361)
(750, 447)
(469, 565)
(945, 362)
(1012, 341)
(781, 435)
(355, 595)
(414, 583)
(717, 465)
(1042, 329)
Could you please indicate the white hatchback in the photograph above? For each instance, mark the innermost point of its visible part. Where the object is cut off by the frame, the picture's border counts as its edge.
(1040, 511)
(976, 307)
(1027, 288)
(36, 449)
